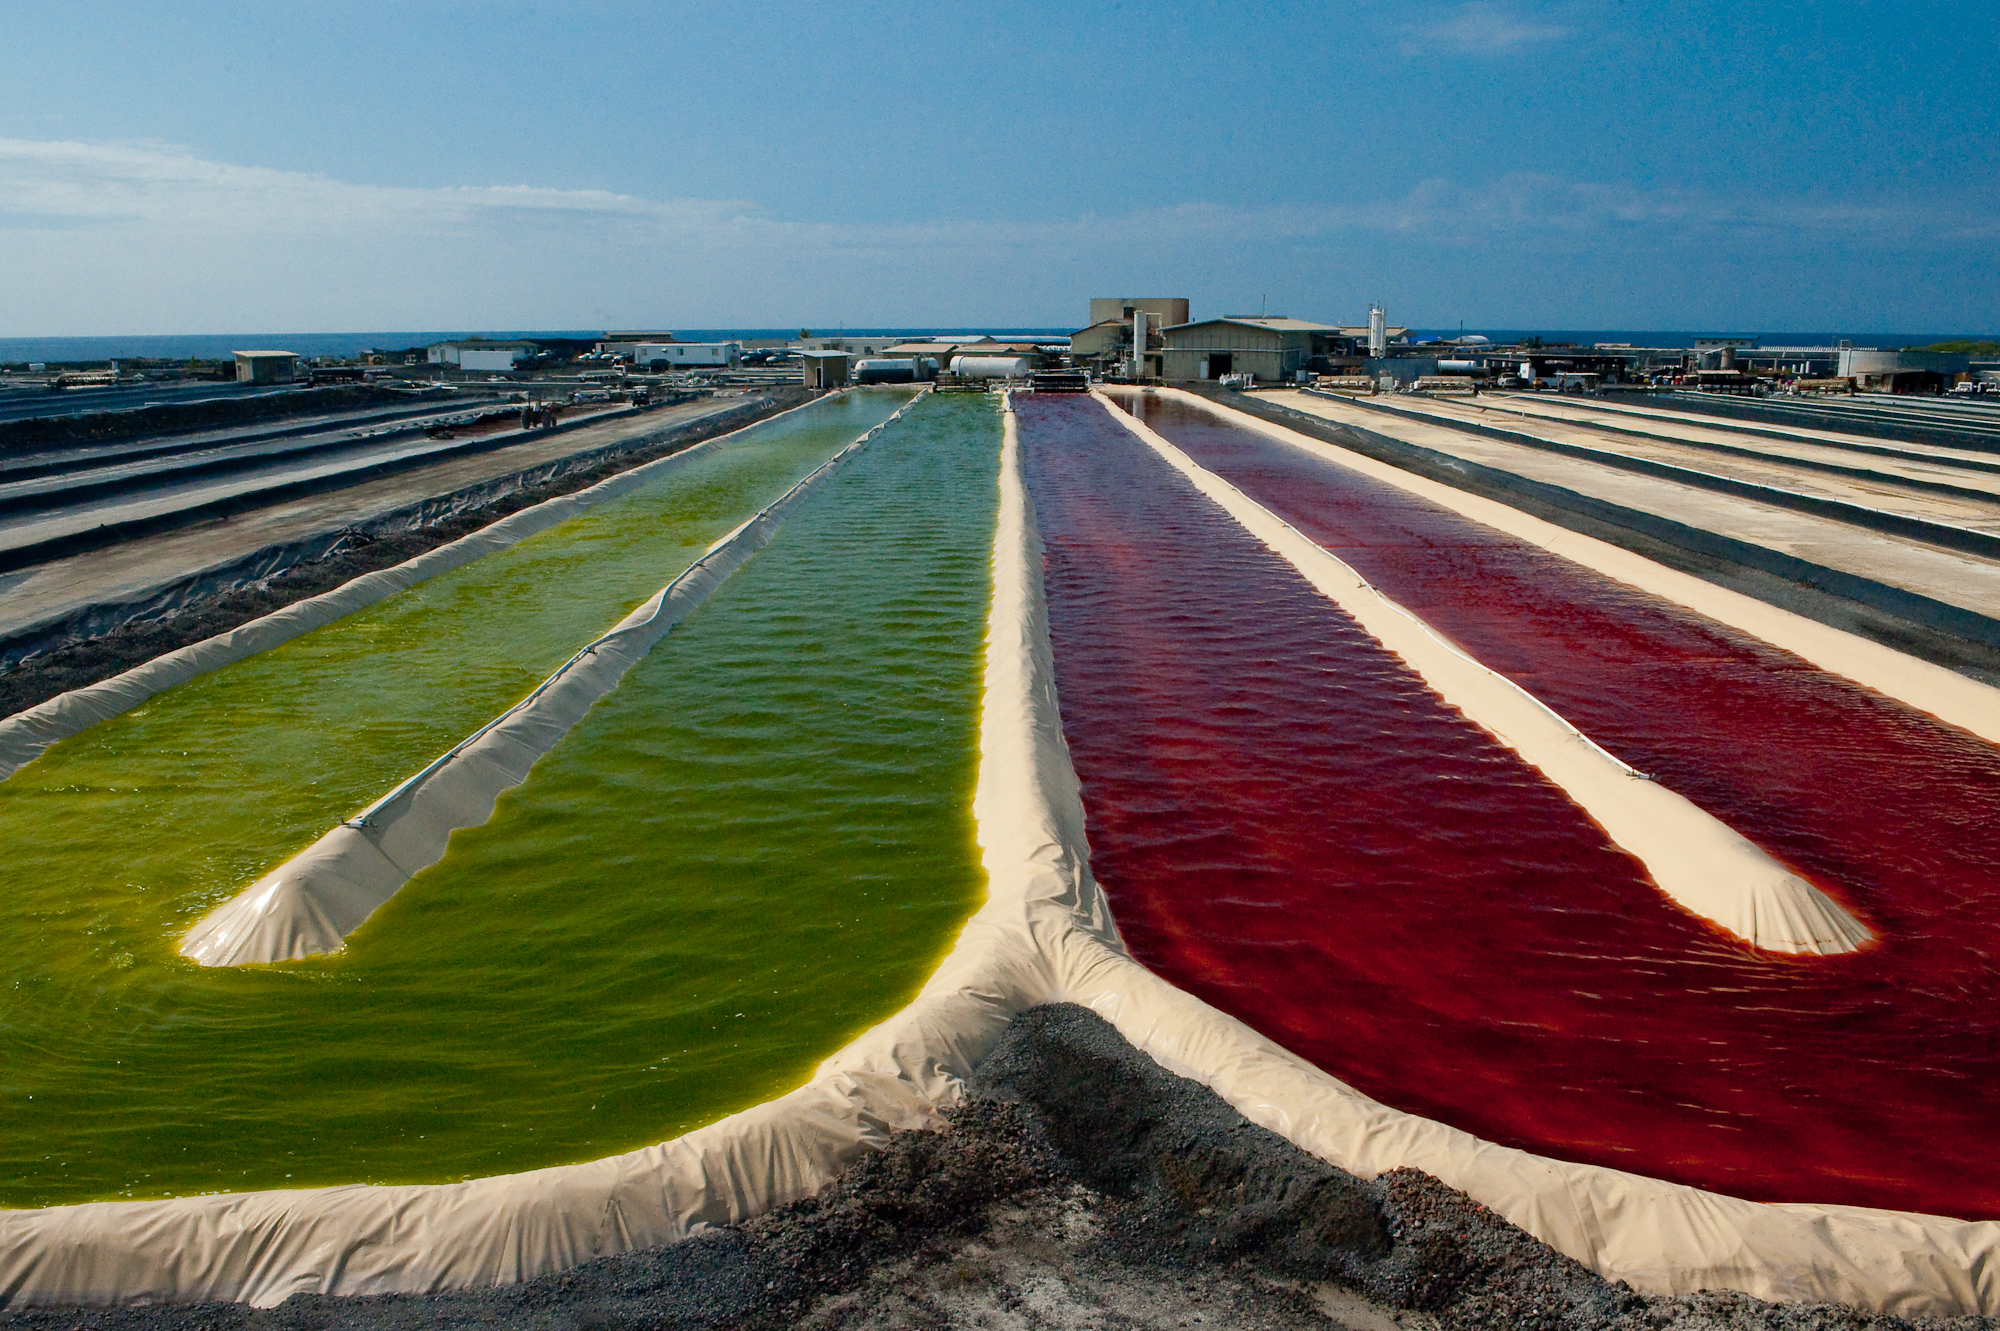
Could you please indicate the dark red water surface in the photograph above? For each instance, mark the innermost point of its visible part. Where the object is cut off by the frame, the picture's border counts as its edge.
(1292, 826)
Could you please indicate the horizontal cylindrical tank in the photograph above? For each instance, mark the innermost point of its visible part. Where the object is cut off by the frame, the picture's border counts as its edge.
(885, 372)
(1469, 367)
(990, 367)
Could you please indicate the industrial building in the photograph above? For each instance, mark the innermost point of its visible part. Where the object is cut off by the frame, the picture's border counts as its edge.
(1901, 371)
(1106, 345)
(945, 350)
(1105, 342)
(823, 370)
(853, 346)
(1272, 347)
(936, 349)
(266, 367)
(684, 355)
(1165, 311)
(480, 353)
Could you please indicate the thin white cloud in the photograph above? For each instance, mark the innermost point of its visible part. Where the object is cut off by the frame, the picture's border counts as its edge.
(144, 235)
(164, 185)
(1479, 29)
(71, 186)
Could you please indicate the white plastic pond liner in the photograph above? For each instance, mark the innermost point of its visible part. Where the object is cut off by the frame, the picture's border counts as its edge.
(25, 735)
(1043, 935)
(1700, 862)
(310, 904)
(1945, 694)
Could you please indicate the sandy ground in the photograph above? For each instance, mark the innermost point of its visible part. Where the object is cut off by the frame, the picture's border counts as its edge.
(1081, 1188)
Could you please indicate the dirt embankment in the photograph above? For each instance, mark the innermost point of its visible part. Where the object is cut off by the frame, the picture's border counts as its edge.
(104, 427)
(1081, 1186)
(72, 665)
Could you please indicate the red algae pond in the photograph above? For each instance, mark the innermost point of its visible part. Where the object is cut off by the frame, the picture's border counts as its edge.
(1292, 827)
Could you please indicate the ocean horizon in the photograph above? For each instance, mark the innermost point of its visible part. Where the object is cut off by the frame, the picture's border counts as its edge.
(217, 346)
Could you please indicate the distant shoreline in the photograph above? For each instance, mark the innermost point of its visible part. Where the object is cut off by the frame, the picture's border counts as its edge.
(218, 346)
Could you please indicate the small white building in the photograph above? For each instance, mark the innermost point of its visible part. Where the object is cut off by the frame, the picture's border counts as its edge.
(823, 369)
(480, 353)
(685, 355)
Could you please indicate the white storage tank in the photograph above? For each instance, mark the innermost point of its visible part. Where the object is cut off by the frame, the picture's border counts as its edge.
(990, 367)
(886, 371)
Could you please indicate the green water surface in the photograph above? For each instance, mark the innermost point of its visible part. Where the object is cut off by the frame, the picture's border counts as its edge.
(769, 818)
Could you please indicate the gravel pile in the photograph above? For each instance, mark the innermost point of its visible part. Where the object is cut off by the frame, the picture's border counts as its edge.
(1081, 1186)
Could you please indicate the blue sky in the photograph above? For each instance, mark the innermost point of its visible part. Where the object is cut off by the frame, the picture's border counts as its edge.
(213, 168)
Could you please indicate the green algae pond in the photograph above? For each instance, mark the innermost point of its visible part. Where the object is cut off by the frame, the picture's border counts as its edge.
(754, 848)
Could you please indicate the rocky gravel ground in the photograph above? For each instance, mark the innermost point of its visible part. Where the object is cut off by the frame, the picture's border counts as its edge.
(1080, 1187)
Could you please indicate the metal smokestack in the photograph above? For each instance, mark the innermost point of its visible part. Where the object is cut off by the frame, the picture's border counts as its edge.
(1138, 344)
